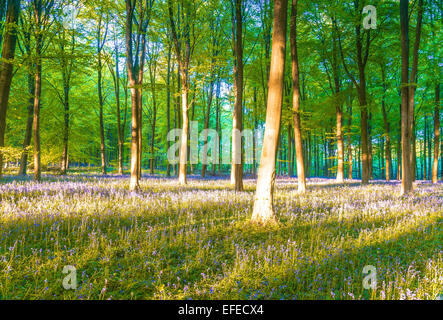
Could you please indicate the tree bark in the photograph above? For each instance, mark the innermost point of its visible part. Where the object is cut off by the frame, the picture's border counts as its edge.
(6, 67)
(28, 133)
(237, 118)
(388, 165)
(301, 179)
(350, 140)
(263, 211)
(132, 81)
(406, 184)
(436, 133)
(183, 56)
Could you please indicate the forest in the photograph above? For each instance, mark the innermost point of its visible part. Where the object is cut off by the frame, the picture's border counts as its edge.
(221, 149)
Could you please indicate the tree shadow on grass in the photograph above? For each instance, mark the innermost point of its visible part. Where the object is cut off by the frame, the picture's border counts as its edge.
(315, 277)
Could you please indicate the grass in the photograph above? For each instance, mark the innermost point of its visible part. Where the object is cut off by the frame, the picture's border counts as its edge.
(196, 242)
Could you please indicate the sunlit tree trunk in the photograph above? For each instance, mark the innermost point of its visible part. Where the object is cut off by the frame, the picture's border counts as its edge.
(131, 67)
(6, 67)
(301, 179)
(206, 126)
(65, 164)
(36, 118)
(237, 118)
(183, 54)
(263, 211)
(182, 174)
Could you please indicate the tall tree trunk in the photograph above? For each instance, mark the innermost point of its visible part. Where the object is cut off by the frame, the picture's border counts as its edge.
(436, 133)
(301, 179)
(206, 126)
(263, 211)
(132, 81)
(28, 133)
(183, 56)
(388, 166)
(140, 98)
(406, 184)
(370, 157)
(36, 119)
(100, 44)
(6, 67)
(237, 118)
(168, 104)
(116, 78)
(65, 164)
(182, 179)
(350, 140)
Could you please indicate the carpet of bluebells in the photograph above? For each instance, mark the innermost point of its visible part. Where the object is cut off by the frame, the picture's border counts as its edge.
(196, 242)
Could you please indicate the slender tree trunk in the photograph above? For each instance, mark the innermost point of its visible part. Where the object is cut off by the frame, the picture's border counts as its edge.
(263, 211)
(183, 57)
(206, 126)
(436, 133)
(388, 166)
(100, 99)
(406, 185)
(28, 133)
(301, 179)
(168, 105)
(350, 140)
(65, 164)
(182, 179)
(36, 119)
(237, 119)
(131, 66)
(117, 99)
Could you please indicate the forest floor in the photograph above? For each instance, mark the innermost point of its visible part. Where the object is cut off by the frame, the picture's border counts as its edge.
(196, 242)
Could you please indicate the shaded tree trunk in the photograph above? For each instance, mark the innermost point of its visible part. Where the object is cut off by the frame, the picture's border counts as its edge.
(388, 165)
(28, 134)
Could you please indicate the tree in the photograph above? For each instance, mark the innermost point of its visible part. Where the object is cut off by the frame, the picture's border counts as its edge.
(388, 165)
(6, 65)
(67, 45)
(408, 92)
(263, 211)
(103, 23)
(41, 10)
(436, 133)
(120, 126)
(183, 52)
(237, 117)
(135, 56)
(24, 45)
(296, 101)
(362, 55)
